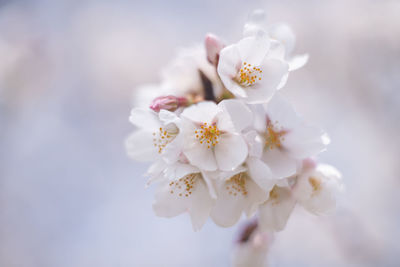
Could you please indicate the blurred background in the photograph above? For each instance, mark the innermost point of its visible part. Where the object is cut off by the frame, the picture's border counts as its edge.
(70, 197)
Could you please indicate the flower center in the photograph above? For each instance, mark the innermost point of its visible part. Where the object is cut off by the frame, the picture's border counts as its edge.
(163, 137)
(274, 195)
(237, 184)
(273, 137)
(248, 75)
(315, 184)
(184, 186)
(207, 134)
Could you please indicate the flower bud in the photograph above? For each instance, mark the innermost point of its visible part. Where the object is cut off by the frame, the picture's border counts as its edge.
(170, 103)
(309, 164)
(213, 47)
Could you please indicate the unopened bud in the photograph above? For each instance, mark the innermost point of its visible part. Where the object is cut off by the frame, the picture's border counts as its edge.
(309, 164)
(213, 47)
(169, 102)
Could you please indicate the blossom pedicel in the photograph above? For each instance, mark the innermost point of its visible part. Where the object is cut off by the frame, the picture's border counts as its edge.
(224, 142)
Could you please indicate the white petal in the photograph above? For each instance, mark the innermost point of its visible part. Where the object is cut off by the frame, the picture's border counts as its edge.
(256, 196)
(178, 170)
(277, 50)
(173, 150)
(324, 204)
(280, 163)
(255, 23)
(168, 117)
(253, 49)
(255, 143)
(228, 68)
(198, 154)
(240, 115)
(305, 141)
(284, 34)
(321, 201)
(283, 81)
(226, 175)
(260, 173)
(198, 204)
(155, 172)
(202, 112)
(201, 206)
(280, 111)
(230, 206)
(273, 73)
(329, 171)
(275, 213)
(201, 156)
(298, 62)
(139, 146)
(210, 179)
(229, 61)
(144, 118)
(230, 152)
(227, 210)
(321, 198)
(235, 88)
(260, 117)
(169, 205)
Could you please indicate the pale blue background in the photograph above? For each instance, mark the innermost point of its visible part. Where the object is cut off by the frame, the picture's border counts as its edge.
(69, 197)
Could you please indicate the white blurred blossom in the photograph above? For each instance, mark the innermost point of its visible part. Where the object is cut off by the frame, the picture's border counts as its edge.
(281, 32)
(316, 188)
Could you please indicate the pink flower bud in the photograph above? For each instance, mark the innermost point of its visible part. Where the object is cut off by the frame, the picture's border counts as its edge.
(213, 47)
(309, 164)
(169, 102)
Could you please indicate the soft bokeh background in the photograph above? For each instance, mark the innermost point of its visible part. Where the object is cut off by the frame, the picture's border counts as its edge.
(69, 196)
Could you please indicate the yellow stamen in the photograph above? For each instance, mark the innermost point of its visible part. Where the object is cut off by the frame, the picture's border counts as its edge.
(209, 135)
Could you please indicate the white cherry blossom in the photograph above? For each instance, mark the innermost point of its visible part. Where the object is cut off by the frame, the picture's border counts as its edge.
(284, 34)
(316, 188)
(275, 212)
(182, 78)
(211, 134)
(185, 189)
(285, 138)
(237, 194)
(157, 135)
(182, 75)
(280, 32)
(253, 69)
(248, 154)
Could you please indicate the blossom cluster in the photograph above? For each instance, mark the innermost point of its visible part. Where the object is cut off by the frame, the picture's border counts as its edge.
(224, 141)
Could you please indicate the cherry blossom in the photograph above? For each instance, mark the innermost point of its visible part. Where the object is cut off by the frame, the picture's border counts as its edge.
(211, 134)
(280, 32)
(316, 188)
(225, 143)
(237, 193)
(285, 138)
(252, 69)
(185, 189)
(275, 212)
(157, 135)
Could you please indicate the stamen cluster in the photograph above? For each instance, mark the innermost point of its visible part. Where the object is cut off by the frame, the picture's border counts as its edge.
(249, 75)
(208, 135)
